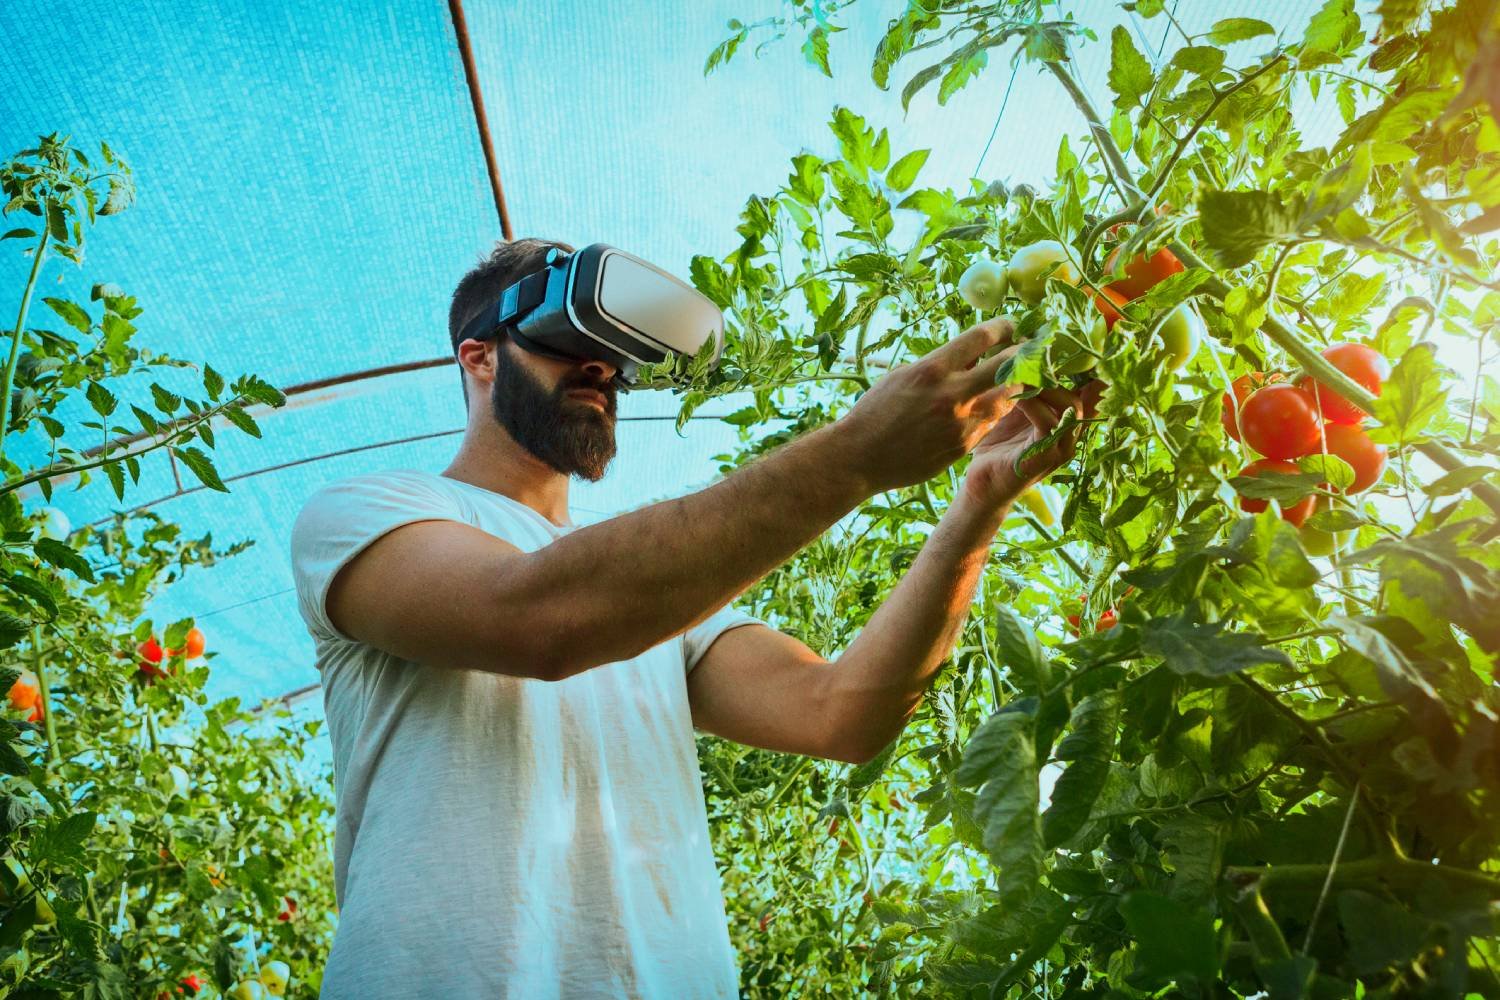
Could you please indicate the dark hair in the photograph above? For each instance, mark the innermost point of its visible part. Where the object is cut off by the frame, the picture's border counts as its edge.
(480, 288)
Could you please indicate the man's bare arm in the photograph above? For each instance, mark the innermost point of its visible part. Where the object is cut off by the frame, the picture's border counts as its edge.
(449, 594)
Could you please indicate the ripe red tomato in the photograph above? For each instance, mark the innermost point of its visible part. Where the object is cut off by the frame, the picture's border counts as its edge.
(1297, 512)
(1108, 620)
(1141, 273)
(1241, 389)
(1281, 421)
(150, 650)
(1107, 301)
(1354, 446)
(1364, 365)
(192, 984)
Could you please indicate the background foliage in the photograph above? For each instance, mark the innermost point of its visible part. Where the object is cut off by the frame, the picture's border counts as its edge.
(146, 834)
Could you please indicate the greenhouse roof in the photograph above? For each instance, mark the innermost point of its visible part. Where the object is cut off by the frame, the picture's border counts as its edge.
(312, 184)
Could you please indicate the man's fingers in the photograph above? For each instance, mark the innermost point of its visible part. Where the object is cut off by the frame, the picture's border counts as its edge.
(1042, 416)
(968, 347)
(982, 376)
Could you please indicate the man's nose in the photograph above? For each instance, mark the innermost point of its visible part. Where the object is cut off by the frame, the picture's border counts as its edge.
(602, 370)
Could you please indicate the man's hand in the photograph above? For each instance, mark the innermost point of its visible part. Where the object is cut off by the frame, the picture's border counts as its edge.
(922, 417)
(992, 478)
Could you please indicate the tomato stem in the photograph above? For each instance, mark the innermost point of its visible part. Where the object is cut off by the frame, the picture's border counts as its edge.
(15, 341)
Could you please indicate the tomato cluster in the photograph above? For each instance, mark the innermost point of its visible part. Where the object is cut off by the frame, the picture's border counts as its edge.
(150, 654)
(1285, 421)
(985, 285)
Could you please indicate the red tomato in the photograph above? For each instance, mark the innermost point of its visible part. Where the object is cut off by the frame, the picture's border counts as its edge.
(192, 646)
(1354, 446)
(1241, 389)
(1108, 620)
(25, 691)
(1107, 303)
(1281, 421)
(1297, 512)
(150, 650)
(192, 984)
(1364, 365)
(37, 714)
(1141, 273)
(765, 919)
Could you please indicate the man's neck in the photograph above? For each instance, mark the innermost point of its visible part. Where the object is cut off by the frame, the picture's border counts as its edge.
(493, 461)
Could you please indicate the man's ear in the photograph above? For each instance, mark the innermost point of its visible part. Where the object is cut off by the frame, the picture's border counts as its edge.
(477, 358)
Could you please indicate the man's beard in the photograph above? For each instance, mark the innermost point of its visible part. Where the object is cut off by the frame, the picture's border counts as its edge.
(569, 435)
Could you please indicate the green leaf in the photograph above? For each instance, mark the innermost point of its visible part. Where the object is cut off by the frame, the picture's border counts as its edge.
(237, 416)
(166, 402)
(202, 466)
(1410, 399)
(148, 422)
(815, 49)
(1089, 746)
(1459, 480)
(1328, 31)
(1237, 225)
(72, 313)
(213, 382)
(1200, 60)
(101, 399)
(1328, 469)
(19, 234)
(1380, 934)
(1288, 978)
(1002, 755)
(1172, 940)
(903, 172)
(1207, 649)
(1238, 29)
(62, 841)
(1019, 650)
(12, 629)
(57, 222)
(116, 477)
(1397, 674)
(1130, 74)
(63, 556)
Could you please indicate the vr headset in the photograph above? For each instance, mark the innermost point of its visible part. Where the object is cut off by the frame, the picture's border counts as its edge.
(603, 304)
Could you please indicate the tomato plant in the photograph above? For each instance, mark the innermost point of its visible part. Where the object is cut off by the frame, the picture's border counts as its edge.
(1277, 773)
(146, 832)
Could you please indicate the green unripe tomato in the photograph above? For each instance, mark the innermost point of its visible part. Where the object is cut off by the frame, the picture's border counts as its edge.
(1081, 360)
(983, 284)
(1181, 332)
(274, 976)
(1044, 503)
(1032, 265)
(1316, 541)
(247, 989)
(54, 523)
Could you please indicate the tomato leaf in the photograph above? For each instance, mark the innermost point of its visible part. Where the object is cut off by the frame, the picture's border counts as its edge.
(1237, 225)
(1410, 398)
(63, 556)
(1002, 755)
(1019, 650)
(202, 466)
(1205, 649)
(1089, 746)
(904, 171)
(1238, 29)
(1130, 75)
(1172, 940)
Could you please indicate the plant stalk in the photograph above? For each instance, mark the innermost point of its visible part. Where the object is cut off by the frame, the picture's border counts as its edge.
(15, 340)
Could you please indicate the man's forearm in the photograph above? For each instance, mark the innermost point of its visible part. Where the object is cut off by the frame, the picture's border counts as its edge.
(879, 680)
(633, 581)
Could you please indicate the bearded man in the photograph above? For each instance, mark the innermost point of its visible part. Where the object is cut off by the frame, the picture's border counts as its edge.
(512, 698)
